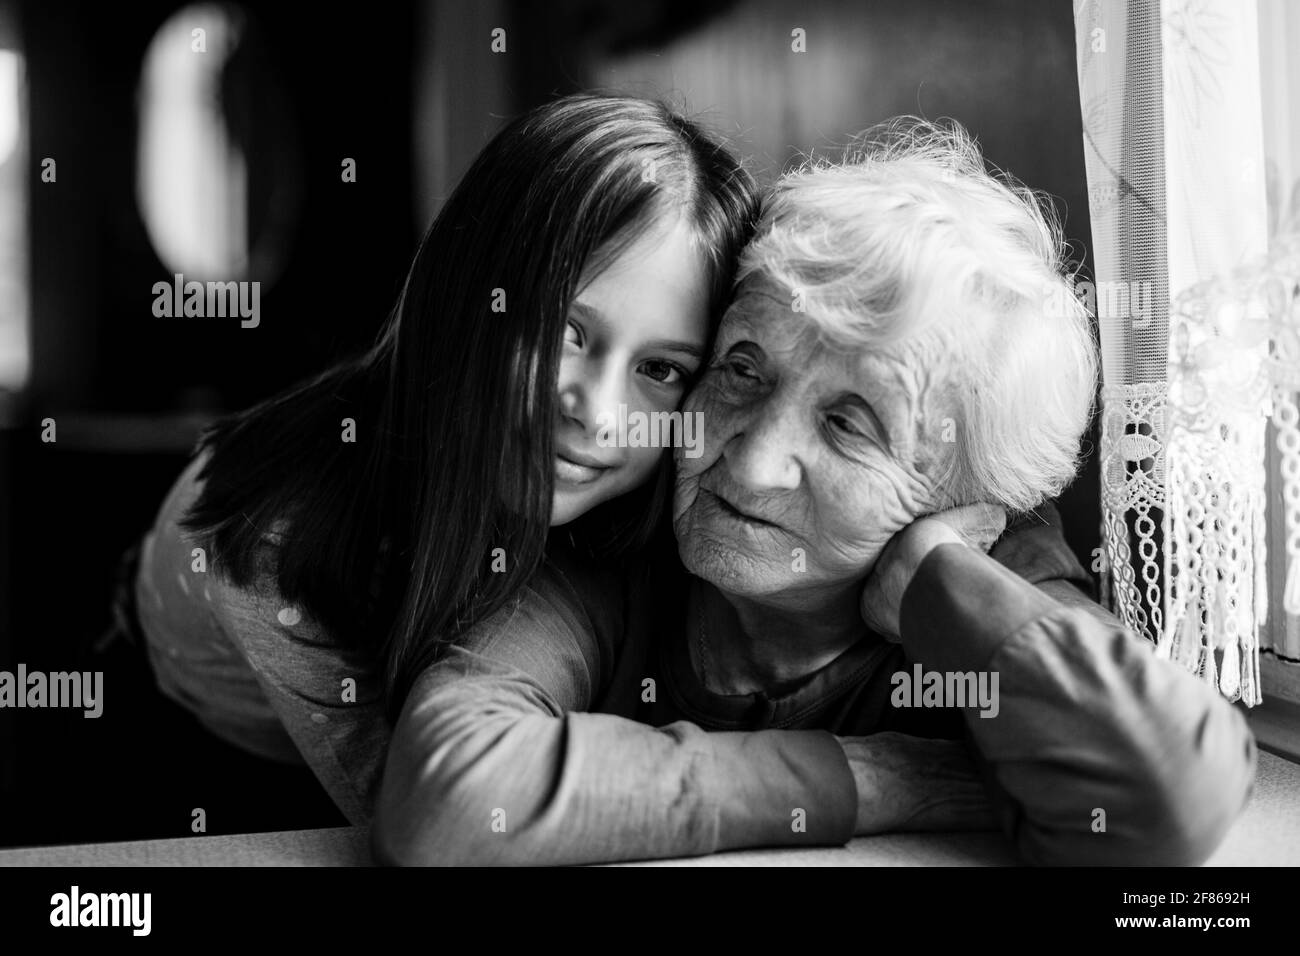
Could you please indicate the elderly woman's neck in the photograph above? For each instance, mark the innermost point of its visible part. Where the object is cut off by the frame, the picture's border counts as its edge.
(755, 645)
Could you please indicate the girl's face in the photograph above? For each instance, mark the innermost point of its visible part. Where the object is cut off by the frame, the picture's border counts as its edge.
(635, 339)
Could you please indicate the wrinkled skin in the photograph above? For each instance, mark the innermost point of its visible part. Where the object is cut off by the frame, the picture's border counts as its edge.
(806, 446)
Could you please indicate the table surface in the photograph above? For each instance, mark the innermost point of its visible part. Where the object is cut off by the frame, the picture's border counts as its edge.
(1267, 834)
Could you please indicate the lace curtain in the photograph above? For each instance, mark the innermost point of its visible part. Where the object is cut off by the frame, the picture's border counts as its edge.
(1197, 296)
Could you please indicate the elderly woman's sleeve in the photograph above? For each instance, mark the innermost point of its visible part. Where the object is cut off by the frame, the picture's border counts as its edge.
(1099, 752)
(495, 761)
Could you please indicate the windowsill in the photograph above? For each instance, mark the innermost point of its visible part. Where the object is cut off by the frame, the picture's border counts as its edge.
(1276, 722)
(1276, 725)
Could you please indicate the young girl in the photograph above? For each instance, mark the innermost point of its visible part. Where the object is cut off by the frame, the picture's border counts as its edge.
(322, 546)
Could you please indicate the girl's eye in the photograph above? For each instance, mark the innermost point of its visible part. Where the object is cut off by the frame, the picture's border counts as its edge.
(663, 372)
(573, 335)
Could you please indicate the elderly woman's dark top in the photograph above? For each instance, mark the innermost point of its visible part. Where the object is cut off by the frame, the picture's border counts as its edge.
(572, 727)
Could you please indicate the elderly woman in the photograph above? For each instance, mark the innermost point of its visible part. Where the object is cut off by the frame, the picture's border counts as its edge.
(889, 381)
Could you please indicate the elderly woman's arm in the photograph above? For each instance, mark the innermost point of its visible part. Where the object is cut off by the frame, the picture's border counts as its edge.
(1100, 753)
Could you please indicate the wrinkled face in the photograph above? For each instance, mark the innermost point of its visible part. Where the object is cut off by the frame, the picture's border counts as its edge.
(636, 335)
(813, 455)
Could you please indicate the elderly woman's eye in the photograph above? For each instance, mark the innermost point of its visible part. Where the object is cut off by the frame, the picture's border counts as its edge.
(843, 423)
(664, 372)
(738, 370)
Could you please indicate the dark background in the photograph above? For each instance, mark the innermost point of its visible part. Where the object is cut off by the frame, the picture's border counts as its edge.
(411, 91)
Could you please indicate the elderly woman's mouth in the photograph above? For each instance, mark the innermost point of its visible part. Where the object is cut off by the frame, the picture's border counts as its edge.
(731, 511)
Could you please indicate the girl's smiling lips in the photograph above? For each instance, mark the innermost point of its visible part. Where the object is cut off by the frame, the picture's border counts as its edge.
(576, 468)
(579, 458)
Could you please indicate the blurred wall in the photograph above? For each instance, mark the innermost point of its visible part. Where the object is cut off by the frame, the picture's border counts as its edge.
(128, 390)
(96, 342)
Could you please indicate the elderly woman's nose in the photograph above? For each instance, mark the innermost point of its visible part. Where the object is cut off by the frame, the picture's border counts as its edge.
(763, 456)
(590, 394)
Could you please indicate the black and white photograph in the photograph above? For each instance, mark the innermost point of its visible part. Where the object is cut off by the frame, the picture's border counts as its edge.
(731, 433)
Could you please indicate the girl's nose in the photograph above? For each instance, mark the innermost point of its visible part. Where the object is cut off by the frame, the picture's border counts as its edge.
(592, 395)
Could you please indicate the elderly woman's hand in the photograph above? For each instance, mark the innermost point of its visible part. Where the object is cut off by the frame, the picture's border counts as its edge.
(911, 783)
(976, 526)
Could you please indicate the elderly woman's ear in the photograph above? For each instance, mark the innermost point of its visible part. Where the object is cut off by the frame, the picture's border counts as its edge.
(976, 526)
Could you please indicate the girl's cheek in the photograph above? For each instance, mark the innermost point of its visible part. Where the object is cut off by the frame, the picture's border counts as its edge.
(647, 459)
(642, 463)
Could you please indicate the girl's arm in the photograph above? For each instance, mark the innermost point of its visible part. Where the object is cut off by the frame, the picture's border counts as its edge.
(494, 761)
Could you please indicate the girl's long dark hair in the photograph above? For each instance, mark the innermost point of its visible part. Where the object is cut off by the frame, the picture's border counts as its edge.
(455, 405)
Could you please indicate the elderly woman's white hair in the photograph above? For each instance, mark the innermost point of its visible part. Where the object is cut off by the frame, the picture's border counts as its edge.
(910, 235)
